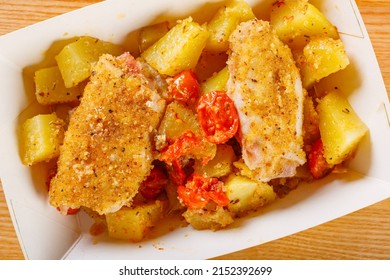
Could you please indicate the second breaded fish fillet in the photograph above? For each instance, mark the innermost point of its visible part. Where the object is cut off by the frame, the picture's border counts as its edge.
(107, 150)
(266, 88)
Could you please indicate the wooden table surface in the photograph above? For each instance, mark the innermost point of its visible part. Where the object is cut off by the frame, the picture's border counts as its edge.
(364, 234)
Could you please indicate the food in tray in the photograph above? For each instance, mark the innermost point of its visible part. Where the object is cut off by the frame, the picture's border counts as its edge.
(266, 88)
(107, 151)
(146, 138)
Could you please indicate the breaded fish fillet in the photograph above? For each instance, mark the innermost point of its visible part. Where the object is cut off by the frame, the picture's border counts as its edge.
(107, 150)
(266, 88)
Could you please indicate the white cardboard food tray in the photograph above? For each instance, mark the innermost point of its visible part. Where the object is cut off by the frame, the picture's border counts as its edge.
(45, 234)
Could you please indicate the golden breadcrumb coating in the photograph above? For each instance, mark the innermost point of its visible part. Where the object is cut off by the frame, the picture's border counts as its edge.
(107, 150)
(266, 88)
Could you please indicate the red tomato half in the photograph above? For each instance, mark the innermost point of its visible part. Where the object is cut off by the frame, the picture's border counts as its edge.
(317, 164)
(199, 191)
(154, 183)
(177, 173)
(73, 211)
(184, 87)
(217, 116)
(70, 211)
(182, 146)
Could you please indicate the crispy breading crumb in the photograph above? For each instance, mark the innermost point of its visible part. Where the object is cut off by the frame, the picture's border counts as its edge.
(107, 150)
(267, 91)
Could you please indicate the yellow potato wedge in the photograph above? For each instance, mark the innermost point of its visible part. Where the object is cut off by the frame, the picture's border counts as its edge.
(134, 223)
(41, 137)
(224, 22)
(340, 127)
(296, 21)
(50, 88)
(75, 59)
(321, 57)
(179, 49)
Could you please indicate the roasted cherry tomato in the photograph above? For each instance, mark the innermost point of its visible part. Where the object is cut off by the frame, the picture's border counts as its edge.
(153, 185)
(199, 191)
(317, 164)
(177, 173)
(184, 87)
(217, 116)
(69, 211)
(183, 145)
(72, 211)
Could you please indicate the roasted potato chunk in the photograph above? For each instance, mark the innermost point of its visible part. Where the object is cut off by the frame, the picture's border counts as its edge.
(134, 223)
(221, 165)
(216, 82)
(340, 127)
(151, 34)
(296, 21)
(50, 88)
(75, 59)
(179, 49)
(224, 22)
(246, 194)
(41, 137)
(321, 57)
(208, 219)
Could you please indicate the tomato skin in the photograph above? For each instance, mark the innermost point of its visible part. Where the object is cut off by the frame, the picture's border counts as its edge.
(153, 185)
(182, 146)
(72, 211)
(318, 166)
(217, 116)
(177, 174)
(69, 211)
(191, 199)
(175, 156)
(184, 87)
(199, 191)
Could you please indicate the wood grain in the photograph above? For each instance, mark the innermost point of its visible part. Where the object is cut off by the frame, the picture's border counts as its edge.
(364, 234)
